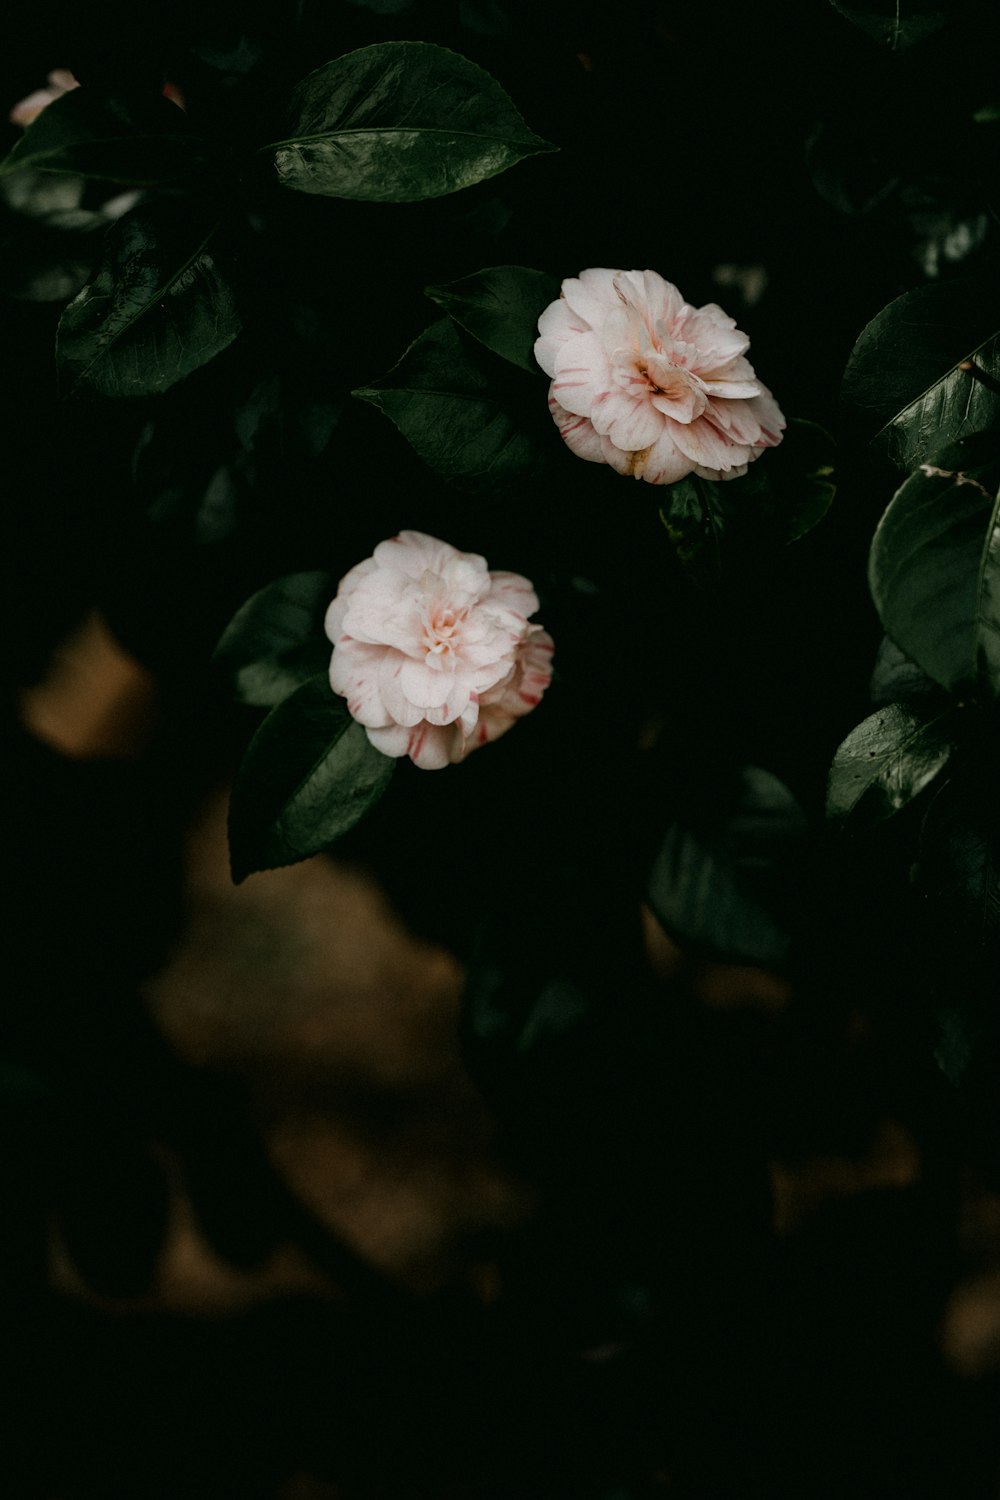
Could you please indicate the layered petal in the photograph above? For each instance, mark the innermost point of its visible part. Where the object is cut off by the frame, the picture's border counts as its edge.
(643, 381)
(423, 636)
(583, 373)
(578, 433)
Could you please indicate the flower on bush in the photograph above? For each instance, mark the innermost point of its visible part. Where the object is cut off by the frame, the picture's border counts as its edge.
(26, 111)
(433, 652)
(644, 382)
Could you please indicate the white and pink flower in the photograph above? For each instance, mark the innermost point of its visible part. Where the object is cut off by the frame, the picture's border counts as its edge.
(433, 652)
(26, 111)
(644, 382)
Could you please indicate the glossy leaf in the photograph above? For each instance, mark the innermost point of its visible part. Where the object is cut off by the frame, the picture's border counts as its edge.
(895, 23)
(888, 760)
(139, 140)
(782, 496)
(275, 642)
(958, 871)
(895, 678)
(934, 567)
(500, 307)
(718, 883)
(464, 414)
(789, 489)
(157, 308)
(309, 775)
(397, 122)
(694, 517)
(926, 370)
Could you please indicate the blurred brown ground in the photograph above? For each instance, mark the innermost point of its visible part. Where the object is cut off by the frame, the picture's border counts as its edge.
(304, 983)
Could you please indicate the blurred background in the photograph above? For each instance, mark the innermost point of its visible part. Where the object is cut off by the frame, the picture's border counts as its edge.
(279, 1221)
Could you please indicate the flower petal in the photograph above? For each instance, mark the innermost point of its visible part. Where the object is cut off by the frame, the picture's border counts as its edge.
(427, 747)
(397, 705)
(665, 463)
(557, 324)
(592, 295)
(705, 445)
(578, 433)
(582, 374)
(424, 687)
(768, 414)
(636, 426)
(512, 592)
(355, 675)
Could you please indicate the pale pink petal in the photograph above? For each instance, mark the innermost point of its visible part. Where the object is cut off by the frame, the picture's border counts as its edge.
(382, 612)
(424, 630)
(557, 324)
(736, 421)
(582, 374)
(355, 675)
(523, 690)
(676, 394)
(625, 462)
(617, 406)
(432, 748)
(26, 111)
(767, 413)
(734, 379)
(713, 333)
(637, 426)
(731, 390)
(578, 433)
(640, 366)
(591, 295)
(512, 592)
(658, 300)
(414, 554)
(665, 463)
(736, 472)
(706, 446)
(397, 704)
(424, 687)
(334, 622)
(455, 706)
(427, 747)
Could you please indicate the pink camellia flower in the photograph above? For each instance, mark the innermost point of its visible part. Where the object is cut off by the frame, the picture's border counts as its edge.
(644, 382)
(433, 652)
(27, 110)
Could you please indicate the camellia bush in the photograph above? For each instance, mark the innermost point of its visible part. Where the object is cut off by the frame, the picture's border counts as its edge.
(551, 462)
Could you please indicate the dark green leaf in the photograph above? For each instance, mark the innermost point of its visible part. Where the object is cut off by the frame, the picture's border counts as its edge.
(896, 23)
(933, 568)
(230, 54)
(484, 16)
(888, 760)
(466, 416)
(926, 370)
(957, 882)
(719, 884)
(275, 642)
(782, 496)
(789, 489)
(309, 775)
(500, 307)
(895, 678)
(958, 873)
(397, 122)
(694, 517)
(851, 166)
(157, 308)
(140, 140)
